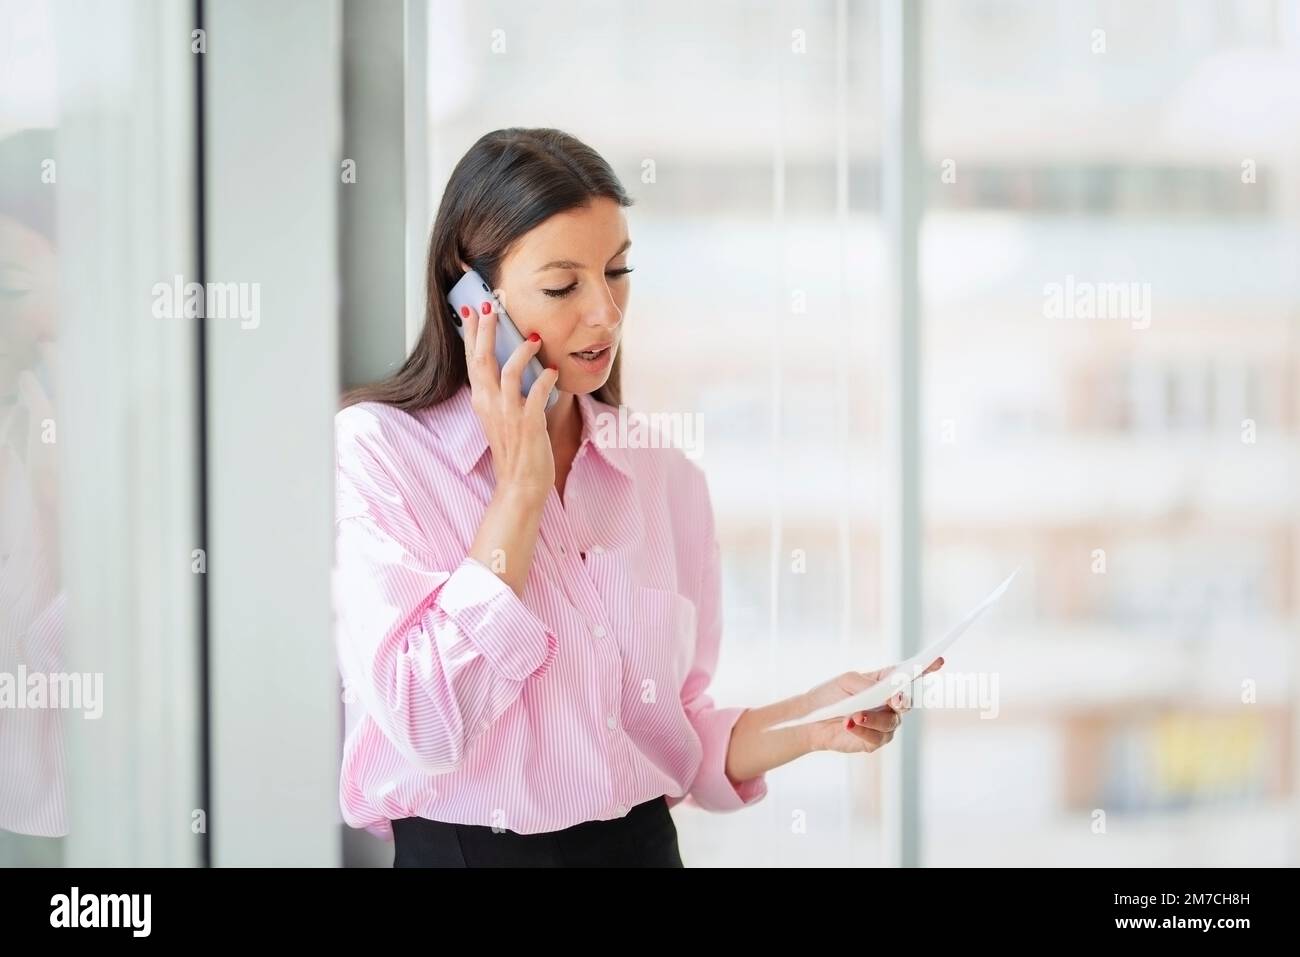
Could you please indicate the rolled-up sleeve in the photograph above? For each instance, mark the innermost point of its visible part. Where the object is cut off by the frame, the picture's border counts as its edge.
(434, 652)
(712, 789)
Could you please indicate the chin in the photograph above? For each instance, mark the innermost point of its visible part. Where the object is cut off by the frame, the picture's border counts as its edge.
(585, 386)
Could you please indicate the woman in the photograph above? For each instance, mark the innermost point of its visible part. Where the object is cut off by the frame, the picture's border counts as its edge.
(33, 817)
(529, 614)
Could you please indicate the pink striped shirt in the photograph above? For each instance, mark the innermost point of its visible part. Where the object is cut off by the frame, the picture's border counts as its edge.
(584, 698)
(32, 609)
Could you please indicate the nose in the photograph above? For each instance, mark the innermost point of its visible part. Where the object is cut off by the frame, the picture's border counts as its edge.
(603, 310)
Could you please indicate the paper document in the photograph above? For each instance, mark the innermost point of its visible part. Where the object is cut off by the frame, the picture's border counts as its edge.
(903, 674)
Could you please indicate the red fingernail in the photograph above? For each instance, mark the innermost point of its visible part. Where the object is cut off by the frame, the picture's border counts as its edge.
(464, 312)
(486, 307)
(534, 337)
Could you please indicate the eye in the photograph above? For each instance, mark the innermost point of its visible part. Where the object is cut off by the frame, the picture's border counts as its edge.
(612, 273)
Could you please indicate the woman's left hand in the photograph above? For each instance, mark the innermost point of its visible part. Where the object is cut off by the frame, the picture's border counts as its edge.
(864, 731)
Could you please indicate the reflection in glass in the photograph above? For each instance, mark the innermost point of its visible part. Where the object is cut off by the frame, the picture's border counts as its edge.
(31, 597)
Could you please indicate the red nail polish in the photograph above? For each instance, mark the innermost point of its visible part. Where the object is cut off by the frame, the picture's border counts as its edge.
(534, 337)
(464, 312)
(486, 307)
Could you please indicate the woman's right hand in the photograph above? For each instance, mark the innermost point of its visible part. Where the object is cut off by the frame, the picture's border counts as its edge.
(863, 730)
(515, 426)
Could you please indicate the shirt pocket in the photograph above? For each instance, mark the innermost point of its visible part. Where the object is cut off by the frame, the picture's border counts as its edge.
(662, 639)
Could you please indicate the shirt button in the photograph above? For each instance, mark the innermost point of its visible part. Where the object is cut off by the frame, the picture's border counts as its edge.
(597, 550)
(612, 722)
(621, 810)
(598, 631)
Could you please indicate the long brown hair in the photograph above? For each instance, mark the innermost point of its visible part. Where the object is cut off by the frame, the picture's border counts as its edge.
(510, 181)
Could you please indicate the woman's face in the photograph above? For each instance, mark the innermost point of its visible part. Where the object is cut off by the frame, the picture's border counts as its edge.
(567, 281)
(27, 298)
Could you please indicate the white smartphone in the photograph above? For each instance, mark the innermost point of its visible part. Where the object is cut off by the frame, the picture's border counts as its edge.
(471, 291)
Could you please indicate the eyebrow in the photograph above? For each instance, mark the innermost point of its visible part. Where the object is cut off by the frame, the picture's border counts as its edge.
(570, 264)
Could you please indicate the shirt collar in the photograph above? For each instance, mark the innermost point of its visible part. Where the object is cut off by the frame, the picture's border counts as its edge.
(465, 440)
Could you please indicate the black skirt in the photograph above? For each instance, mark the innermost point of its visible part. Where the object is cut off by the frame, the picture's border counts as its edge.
(645, 837)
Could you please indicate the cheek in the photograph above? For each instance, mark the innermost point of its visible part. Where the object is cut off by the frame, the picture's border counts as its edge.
(553, 322)
(44, 314)
(25, 320)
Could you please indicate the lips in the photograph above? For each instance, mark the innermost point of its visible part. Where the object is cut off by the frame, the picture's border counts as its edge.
(594, 352)
(593, 362)
(595, 347)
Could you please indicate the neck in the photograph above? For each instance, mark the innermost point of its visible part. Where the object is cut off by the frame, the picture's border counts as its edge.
(564, 421)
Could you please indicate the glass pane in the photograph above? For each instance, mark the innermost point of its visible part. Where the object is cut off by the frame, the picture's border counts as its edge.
(754, 309)
(1112, 326)
(33, 816)
(100, 749)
